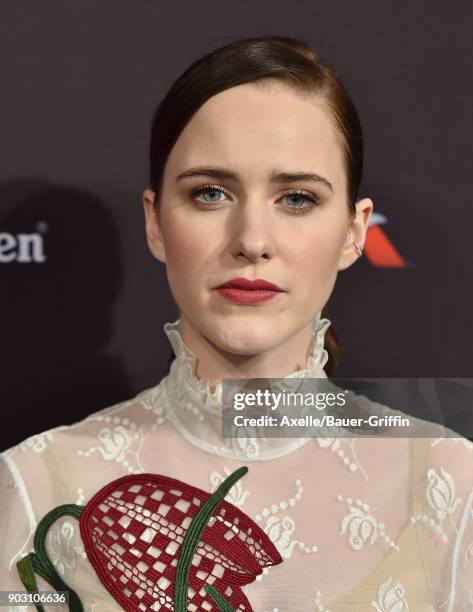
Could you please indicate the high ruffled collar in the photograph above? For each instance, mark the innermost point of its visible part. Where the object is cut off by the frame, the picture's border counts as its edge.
(196, 412)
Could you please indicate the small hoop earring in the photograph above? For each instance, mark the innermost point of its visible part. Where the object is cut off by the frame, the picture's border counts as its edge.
(359, 250)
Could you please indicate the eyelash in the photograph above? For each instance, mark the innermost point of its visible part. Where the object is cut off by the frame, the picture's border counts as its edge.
(295, 210)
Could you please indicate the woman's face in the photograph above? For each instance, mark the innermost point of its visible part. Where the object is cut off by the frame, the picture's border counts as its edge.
(228, 211)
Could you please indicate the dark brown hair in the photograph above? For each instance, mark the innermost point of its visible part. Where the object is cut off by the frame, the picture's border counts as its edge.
(250, 60)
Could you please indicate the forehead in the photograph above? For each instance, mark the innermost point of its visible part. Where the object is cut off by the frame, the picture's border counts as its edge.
(253, 127)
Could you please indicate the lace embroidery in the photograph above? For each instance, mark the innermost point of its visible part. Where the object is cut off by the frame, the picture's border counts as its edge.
(122, 442)
(390, 598)
(335, 446)
(441, 493)
(363, 525)
(153, 400)
(421, 517)
(244, 444)
(37, 443)
(280, 529)
(115, 443)
(63, 553)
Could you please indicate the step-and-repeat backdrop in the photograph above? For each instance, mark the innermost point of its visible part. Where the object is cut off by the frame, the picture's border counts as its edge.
(83, 302)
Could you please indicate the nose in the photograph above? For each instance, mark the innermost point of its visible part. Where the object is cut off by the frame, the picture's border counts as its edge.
(251, 234)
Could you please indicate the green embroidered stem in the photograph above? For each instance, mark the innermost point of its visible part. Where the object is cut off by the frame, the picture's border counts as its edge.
(219, 600)
(26, 571)
(40, 563)
(191, 541)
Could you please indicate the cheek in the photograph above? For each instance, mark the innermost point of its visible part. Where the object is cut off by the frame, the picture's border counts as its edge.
(316, 254)
(188, 255)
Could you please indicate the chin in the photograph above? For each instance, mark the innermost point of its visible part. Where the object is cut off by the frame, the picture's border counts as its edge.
(243, 335)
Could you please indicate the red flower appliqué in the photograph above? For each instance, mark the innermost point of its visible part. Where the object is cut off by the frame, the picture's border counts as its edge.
(157, 543)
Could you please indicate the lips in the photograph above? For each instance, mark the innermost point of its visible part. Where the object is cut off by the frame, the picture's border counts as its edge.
(250, 285)
(245, 291)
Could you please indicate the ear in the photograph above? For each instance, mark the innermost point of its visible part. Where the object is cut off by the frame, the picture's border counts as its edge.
(154, 233)
(356, 232)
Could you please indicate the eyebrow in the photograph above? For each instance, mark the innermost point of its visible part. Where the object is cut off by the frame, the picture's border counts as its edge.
(276, 177)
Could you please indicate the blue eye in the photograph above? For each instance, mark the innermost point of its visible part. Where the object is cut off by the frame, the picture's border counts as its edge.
(305, 201)
(210, 190)
(300, 201)
(212, 193)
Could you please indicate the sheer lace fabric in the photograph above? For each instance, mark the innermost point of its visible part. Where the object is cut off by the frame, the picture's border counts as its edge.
(360, 523)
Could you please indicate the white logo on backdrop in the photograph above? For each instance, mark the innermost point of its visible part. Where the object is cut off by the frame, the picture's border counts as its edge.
(23, 248)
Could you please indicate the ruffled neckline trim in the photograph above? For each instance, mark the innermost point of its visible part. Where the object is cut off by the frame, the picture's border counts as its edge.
(187, 360)
(195, 410)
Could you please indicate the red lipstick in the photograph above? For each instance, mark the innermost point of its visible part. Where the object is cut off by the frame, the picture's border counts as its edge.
(244, 291)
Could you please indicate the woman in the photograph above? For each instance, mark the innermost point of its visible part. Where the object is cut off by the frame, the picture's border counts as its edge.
(256, 160)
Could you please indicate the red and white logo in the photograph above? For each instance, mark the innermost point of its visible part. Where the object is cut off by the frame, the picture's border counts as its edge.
(378, 248)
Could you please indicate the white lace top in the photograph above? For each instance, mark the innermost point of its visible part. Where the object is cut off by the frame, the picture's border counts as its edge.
(360, 523)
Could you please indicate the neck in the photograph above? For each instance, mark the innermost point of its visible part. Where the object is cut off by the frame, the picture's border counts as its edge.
(215, 364)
